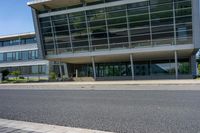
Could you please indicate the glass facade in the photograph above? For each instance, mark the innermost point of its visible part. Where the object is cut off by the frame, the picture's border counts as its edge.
(19, 56)
(142, 24)
(26, 70)
(12, 42)
(141, 68)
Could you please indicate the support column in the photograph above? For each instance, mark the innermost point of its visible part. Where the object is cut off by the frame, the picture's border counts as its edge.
(60, 69)
(174, 23)
(76, 73)
(132, 67)
(88, 32)
(150, 24)
(107, 30)
(94, 68)
(66, 70)
(195, 23)
(176, 64)
(128, 28)
(48, 69)
(70, 35)
(38, 34)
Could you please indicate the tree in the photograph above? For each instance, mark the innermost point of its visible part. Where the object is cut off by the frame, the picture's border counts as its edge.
(16, 73)
(4, 74)
(199, 68)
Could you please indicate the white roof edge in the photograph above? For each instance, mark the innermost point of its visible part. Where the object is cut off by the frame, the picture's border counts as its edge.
(31, 2)
(24, 63)
(16, 35)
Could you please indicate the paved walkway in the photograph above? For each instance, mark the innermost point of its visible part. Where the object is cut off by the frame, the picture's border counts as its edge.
(11, 126)
(127, 82)
(108, 85)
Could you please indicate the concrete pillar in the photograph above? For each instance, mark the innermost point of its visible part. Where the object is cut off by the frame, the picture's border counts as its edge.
(47, 69)
(38, 34)
(76, 73)
(94, 68)
(132, 67)
(66, 70)
(60, 69)
(195, 23)
(176, 64)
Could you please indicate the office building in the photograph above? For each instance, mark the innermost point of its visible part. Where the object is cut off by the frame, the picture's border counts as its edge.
(20, 53)
(119, 39)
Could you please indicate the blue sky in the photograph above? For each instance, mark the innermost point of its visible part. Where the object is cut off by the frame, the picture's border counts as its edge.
(15, 17)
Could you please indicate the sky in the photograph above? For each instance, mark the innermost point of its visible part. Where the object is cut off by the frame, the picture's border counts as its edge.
(15, 17)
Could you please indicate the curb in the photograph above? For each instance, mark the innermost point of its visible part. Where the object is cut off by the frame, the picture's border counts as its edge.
(139, 82)
(43, 128)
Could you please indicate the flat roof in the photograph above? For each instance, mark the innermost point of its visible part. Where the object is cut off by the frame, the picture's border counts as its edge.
(14, 36)
(36, 1)
(53, 4)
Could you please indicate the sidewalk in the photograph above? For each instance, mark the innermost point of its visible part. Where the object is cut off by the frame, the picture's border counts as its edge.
(11, 126)
(126, 82)
(108, 85)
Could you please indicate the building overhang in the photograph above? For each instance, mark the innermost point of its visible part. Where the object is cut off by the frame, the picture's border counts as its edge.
(21, 47)
(53, 4)
(17, 36)
(139, 54)
(24, 63)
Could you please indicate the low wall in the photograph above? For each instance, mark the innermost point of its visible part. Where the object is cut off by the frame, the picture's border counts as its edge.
(42, 76)
(152, 77)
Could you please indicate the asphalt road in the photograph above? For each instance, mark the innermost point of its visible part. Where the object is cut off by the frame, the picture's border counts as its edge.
(133, 111)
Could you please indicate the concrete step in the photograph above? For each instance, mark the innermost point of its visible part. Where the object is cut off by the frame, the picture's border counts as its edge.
(79, 79)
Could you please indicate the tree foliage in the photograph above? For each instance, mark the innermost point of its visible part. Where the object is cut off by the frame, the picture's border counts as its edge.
(16, 73)
(52, 75)
(199, 68)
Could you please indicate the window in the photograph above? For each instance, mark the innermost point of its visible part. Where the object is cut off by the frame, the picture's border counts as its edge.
(9, 57)
(15, 42)
(34, 70)
(25, 55)
(30, 40)
(6, 43)
(1, 57)
(18, 55)
(1, 43)
(14, 56)
(42, 69)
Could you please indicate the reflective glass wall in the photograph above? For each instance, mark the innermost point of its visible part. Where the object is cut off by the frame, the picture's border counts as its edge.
(142, 24)
(141, 68)
(18, 41)
(19, 56)
(26, 70)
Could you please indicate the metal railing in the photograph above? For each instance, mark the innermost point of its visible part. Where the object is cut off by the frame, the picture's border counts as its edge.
(123, 45)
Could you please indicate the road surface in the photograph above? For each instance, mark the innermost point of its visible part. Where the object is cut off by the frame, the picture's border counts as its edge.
(123, 111)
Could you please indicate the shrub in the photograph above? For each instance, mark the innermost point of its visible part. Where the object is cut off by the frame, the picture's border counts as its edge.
(16, 73)
(52, 75)
(21, 77)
